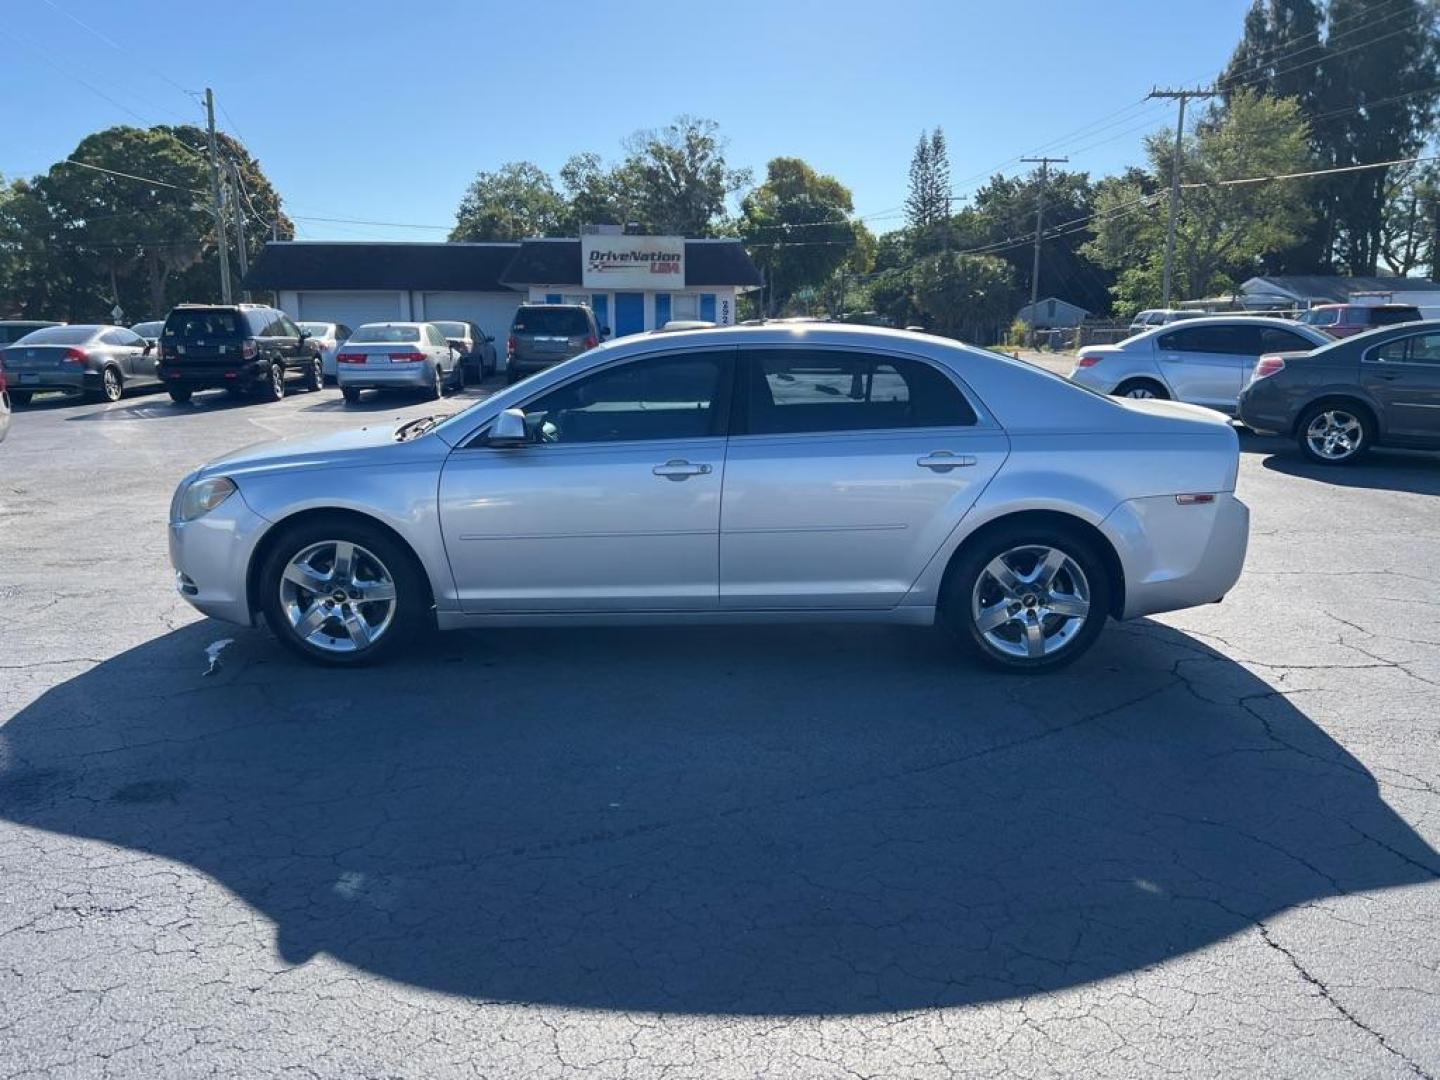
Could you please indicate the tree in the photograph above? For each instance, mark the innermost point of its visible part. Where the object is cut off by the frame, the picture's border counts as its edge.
(1280, 52)
(927, 206)
(1223, 231)
(1378, 98)
(680, 180)
(798, 223)
(1407, 237)
(964, 296)
(596, 195)
(516, 201)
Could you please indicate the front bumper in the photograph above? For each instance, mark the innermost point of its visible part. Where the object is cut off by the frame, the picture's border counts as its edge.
(415, 376)
(1178, 556)
(211, 556)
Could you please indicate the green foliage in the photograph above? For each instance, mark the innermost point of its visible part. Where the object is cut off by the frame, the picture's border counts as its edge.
(927, 206)
(798, 226)
(515, 201)
(964, 296)
(680, 178)
(1223, 232)
(78, 241)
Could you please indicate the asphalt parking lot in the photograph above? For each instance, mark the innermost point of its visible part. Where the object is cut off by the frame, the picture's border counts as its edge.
(1207, 849)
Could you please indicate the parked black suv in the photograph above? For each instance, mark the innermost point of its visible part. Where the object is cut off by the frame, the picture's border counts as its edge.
(236, 346)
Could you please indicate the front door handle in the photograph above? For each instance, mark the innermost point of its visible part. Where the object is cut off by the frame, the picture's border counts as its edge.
(680, 469)
(942, 461)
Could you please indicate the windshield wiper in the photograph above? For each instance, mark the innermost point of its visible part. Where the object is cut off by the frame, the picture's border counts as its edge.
(419, 426)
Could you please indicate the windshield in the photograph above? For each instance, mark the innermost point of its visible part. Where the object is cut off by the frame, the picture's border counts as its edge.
(384, 334)
(452, 329)
(559, 322)
(315, 329)
(203, 323)
(59, 335)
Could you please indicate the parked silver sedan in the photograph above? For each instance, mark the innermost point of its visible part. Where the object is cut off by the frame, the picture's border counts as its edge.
(398, 356)
(780, 473)
(95, 360)
(1206, 361)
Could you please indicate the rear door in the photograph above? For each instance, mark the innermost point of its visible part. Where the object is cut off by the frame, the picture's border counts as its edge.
(1403, 375)
(846, 472)
(1205, 365)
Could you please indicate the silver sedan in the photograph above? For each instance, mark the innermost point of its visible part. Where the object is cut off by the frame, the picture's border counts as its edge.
(1206, 360)
(775, 473)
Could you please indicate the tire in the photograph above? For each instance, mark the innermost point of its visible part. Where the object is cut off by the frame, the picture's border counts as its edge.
(1335, 432)
(1079, 580)
(350, 394)
(315, 375)
(380, 566)
(511, 375)
(272, 387)
(436, 389)
(1141, 388)
(179, 396)
(112, 387)
(21, 397)
(457, 382)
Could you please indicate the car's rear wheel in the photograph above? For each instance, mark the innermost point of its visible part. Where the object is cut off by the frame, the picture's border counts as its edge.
(457, 377)
(179, 396)
(1141, 389)
(21, 397)
(342, 592)
(315, 375)
(272, 387)
(112, 386)
(350, 394)
(1335, 432)
(1028, 597)
(436, 389)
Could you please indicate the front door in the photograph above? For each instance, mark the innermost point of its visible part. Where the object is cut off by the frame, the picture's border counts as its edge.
(848, 472)
(1403, 376)
(629, 313)
(613, 504)
(1205, 365)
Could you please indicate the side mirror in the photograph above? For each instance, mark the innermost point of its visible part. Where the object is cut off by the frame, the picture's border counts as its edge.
(304, 336)
(604, 331)
(508, 429)
(489, 339)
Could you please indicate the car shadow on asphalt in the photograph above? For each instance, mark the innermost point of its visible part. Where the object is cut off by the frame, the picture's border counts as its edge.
(766, 820)
(160, 407)
(395, 399)
(1415, 471)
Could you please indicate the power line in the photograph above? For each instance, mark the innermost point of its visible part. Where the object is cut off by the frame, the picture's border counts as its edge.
(1182, 96)
(148, 69)
(128, 176)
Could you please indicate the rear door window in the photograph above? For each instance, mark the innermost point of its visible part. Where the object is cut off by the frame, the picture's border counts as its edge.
(1278, 339)
(813, 390)
(1417, 349)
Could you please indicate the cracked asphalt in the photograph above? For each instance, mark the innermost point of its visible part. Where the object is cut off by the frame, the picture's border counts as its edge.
(1208, 849)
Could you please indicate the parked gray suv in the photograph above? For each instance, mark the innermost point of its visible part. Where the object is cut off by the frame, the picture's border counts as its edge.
(542, 335)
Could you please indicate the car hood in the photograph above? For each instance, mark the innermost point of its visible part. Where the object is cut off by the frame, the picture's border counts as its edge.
(372, 444)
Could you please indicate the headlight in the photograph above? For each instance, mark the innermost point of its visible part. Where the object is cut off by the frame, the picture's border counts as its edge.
(202, 496)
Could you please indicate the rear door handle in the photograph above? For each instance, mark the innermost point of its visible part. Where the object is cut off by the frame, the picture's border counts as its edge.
(1387, 377)
(942, 461)
(680, 469)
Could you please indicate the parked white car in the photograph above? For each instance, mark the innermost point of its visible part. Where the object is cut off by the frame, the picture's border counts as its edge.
(329, 337)
(1205, 361)
(398, 356)
(1152, 317)
(767, 474)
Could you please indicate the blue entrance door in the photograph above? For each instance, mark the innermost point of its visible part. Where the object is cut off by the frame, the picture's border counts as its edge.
(629, 313)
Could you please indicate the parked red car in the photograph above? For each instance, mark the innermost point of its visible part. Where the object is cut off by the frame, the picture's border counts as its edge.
(1342, 320)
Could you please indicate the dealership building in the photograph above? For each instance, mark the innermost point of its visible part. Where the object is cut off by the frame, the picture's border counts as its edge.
(632, 283)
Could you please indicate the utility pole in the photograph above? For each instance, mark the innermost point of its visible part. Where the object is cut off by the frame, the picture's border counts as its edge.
(215, 192)
(1044, 163)
(1182, 96)
(240, 250)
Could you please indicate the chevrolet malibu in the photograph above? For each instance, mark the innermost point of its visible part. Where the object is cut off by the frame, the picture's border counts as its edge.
(765, 474)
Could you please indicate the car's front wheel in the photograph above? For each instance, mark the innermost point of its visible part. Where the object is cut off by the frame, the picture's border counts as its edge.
(342, 592)
(1028, 598)
(1335, 433)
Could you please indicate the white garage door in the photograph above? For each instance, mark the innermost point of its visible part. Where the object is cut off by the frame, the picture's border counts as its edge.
(350, 308)
(491, 311)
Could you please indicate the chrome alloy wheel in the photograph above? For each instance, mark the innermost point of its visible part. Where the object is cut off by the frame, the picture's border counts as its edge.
(1334, 435)
(110, 388)
(1030, 601)
(1143, 393)
(337, 596)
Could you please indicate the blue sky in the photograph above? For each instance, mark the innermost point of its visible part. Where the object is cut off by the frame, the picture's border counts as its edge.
(382, 111)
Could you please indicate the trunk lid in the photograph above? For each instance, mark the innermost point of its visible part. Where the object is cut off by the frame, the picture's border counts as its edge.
(33, 358)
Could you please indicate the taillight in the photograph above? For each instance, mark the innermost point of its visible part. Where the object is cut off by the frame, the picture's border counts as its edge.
(74, 356)
(249, 349)
(591, 341)
(510, 345)
(1087, 361)
(350, 358)
(406, 357)
(1267, 366)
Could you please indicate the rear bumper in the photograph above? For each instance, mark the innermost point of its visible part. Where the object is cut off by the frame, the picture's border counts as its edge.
(1263, 408)
(1178, 556)
(186, 377)
(68, 382)
(380, 377)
